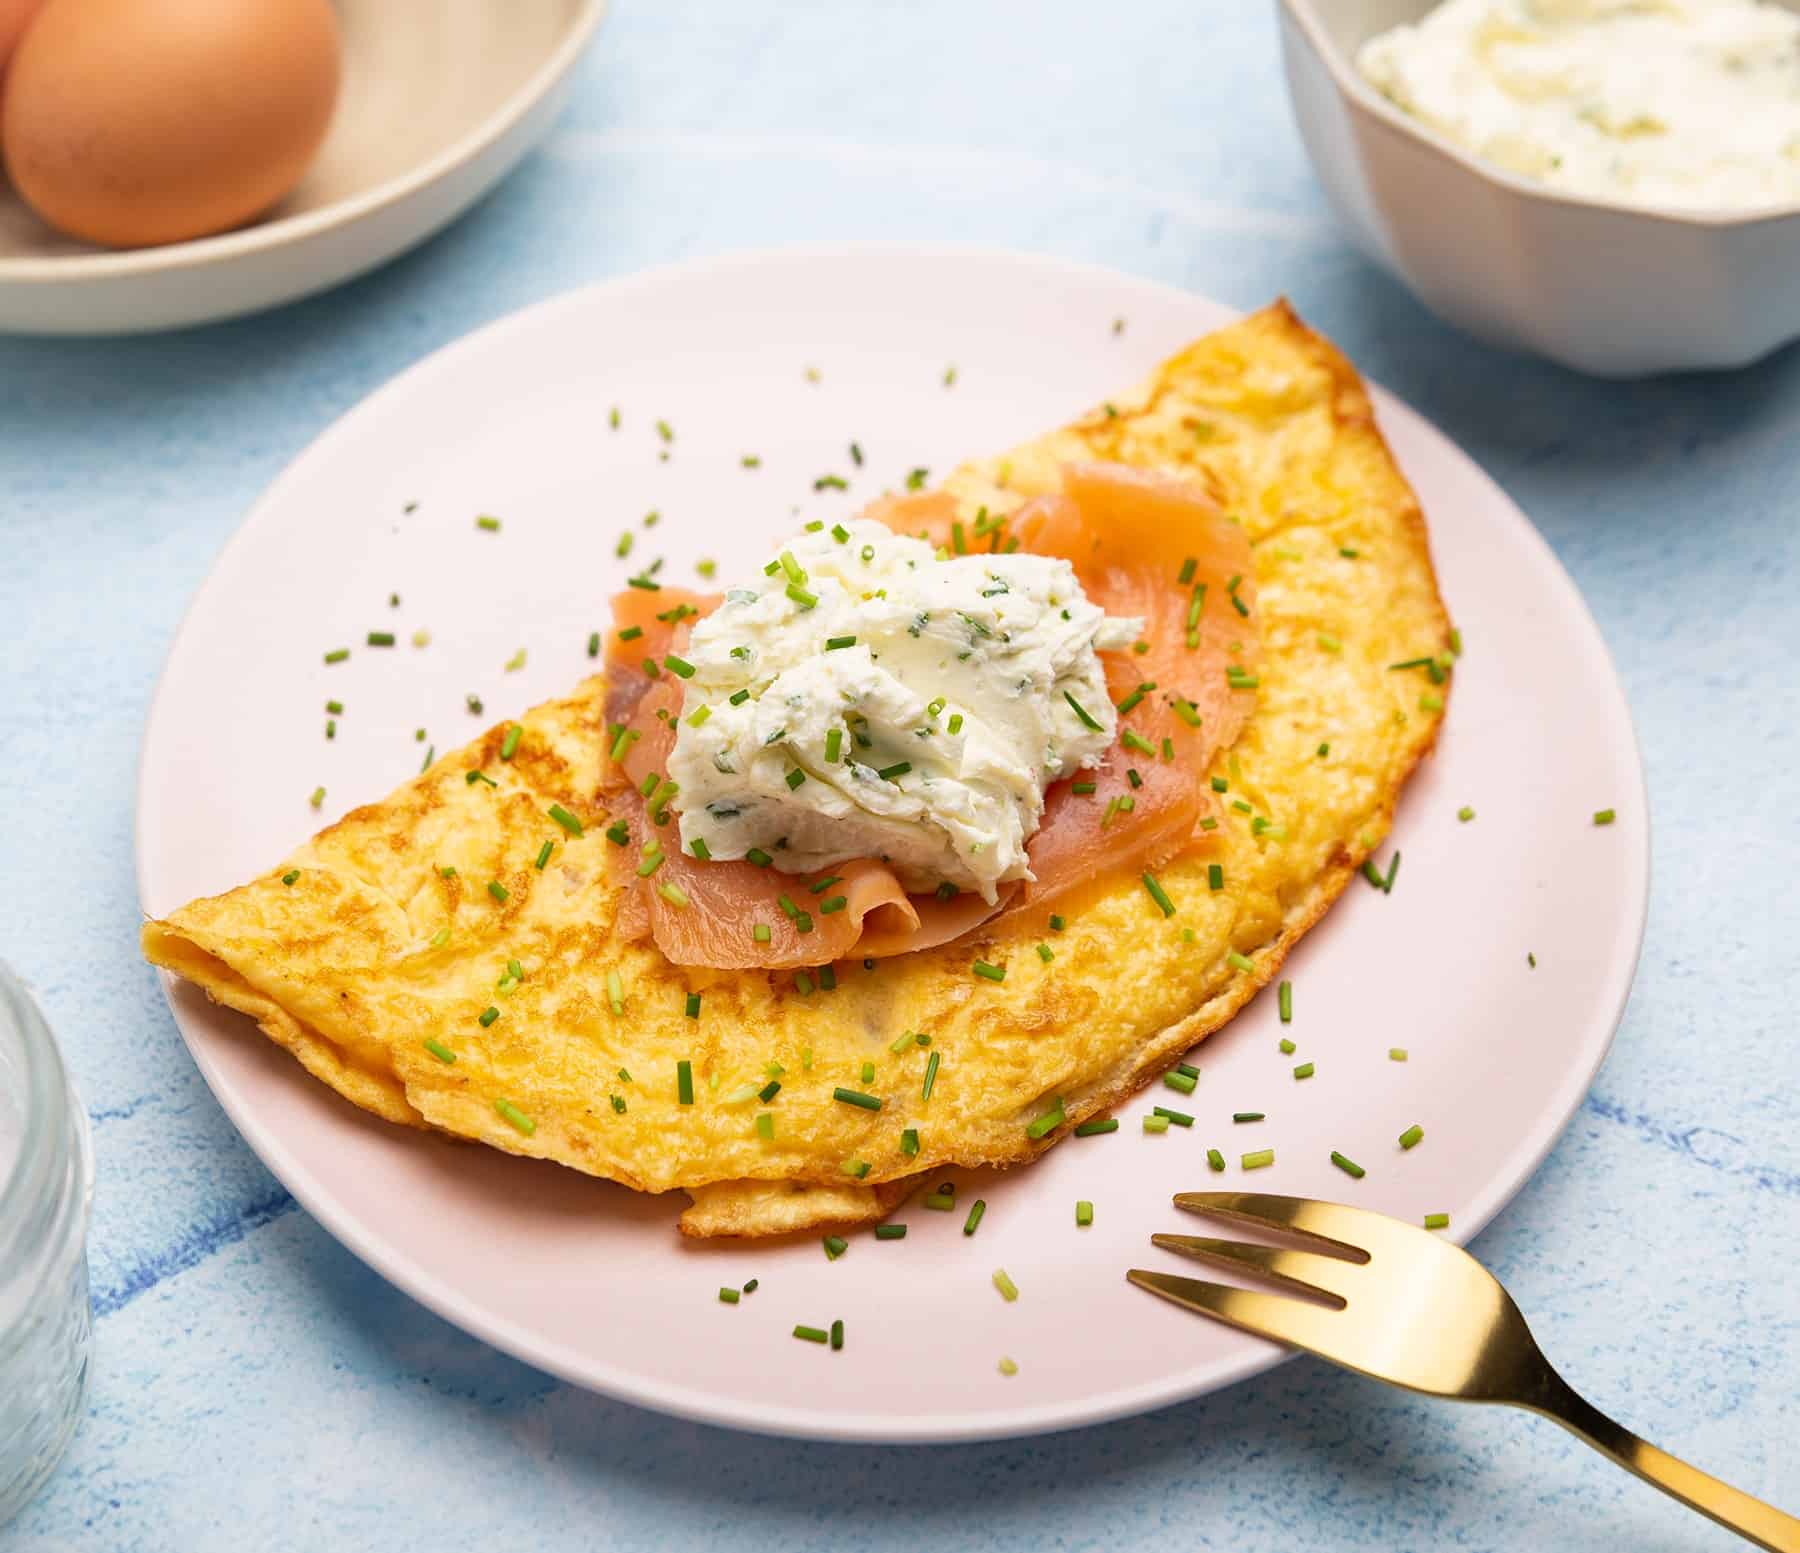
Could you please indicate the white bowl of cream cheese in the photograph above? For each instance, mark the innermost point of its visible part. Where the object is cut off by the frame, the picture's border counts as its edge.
(1613, 184)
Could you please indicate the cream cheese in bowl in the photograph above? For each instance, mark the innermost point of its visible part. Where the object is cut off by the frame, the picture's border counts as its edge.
(1678, 104)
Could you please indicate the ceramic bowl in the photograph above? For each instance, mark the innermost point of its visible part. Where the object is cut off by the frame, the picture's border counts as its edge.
(440, 99)
(1606, 288)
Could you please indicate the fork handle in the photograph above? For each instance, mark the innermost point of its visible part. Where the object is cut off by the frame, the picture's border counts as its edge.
(1750, 1518)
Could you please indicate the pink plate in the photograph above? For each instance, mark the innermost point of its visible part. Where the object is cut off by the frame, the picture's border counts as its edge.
(591, 1282)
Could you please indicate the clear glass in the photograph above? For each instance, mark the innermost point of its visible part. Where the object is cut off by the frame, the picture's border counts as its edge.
(46, 1186)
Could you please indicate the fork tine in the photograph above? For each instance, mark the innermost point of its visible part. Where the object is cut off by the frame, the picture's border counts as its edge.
(1355, 1232)
(1321, 1276)
(1311, 1327)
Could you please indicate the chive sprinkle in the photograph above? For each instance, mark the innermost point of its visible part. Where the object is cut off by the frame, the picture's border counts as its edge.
(1287, 1047)
(1048, 1122)
(1215, 876)
(1156, 1123)
(1247, 1116)
(834, 643)
(759, 933)
(1095, 1128)
(1411, 1136)
(543, 856)
(812, 1334)
(1009, 1291)
(1437, 1221)
(760, 858)
(672, 893)
(835, 1246)
(1348, 1166)
(728, 1296)
(1083, 713)
(939, 1201)
(1133, 740)
(857, 1098)
(1305, 1070)
(795, 778)
(931, 1071)
(1605, 816)
(890, 1232)
(684, 1082)
(439, 1050)
(894, 772)
(290, 876)
(1182, 1082)
(868, 1073)
(837, 1336)
(1159, 894)
(1396, 1054)
(498, 890)
(316, 797)
(337, 655)
(956, 722)
(973, 1222)
(989, 972)
(1083, 789)
(1045, 953)
(488, 523)
(678, 666)
(515, 1118)
(1239, 962)
(1056, 924)
(1258, 1159)
(909, 1141)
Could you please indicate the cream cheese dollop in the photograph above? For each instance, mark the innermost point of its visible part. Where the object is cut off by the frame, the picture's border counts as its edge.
(1690, 104)
(866, 698)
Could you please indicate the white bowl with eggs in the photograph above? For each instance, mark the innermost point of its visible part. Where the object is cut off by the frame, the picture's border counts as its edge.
(433, 101)
(1652, 276)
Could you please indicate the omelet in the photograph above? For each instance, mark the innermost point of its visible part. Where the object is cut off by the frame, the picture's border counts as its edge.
(455, 957)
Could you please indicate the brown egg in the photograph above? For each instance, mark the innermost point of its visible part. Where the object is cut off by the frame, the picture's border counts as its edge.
(131, 122)
(14, 14)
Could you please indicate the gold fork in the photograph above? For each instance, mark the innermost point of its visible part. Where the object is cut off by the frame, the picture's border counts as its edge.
(1401, 1305)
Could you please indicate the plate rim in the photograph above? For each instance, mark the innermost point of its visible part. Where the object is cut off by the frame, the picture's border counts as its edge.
(1558, 1110)
(244, 242)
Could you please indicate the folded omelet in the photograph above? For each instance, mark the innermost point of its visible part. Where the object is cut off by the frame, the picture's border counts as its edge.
(425, 958)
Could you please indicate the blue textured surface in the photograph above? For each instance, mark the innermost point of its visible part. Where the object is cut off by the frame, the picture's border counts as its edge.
(256, 1386)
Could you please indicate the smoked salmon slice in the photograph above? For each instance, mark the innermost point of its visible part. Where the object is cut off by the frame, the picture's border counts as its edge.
(1143, 545)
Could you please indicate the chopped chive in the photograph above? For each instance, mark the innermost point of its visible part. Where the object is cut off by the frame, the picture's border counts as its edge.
(890, 1232)
(1348, 552)
(728, 1296)
(1348, 1166)
(1048, 1122)
(693, 1005)
(684, 1082)
(1156, 1123)
(543, 856)
(1258, 1159)
(1411, 1136)
(1215, 876)
(1247, 1116)
(1180, 1081)
(1465, 814)
(1159, 894)
(1215, 1159)
(759, 932)
(1056, 924)
(290, 876)
(515, 1118)
(1179, 1118)
(1168, 749)
(939, 1201)
(652, 860)
(1095, 1128)
(488, 523)
(1437, 1221)
(1387, 884)
(837, 1336)
(812, 1334)
(1396, 1054)
(765, 1127)
(769, 1091)
(956, 722)
(1287, 1047)
(618, 833)
(760, 858)
(1241, 679)
(1431, 703)
(894, 772)
(973, 1222)
(678, 666)
(672, 893)
(1083, 789)
(931, 1069)
(1046, 953)
(1082, 712)
(1330, 643)
(498, 890)
(439, 1050)
(1605, 816)
(857, 1098)
(835, 1246)
(1133, 740)
(700, 849)
(801, 596)
(742, 1095)
(903, 1042)
(868, 1072)
(1009, 1291)
(834, 643)
(989, 972)
(1239, 962)
(1305, 1070)
(789, 909)
(1185, 710)
(316, 797)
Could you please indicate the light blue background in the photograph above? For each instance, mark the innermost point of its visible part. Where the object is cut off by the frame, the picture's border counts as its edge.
(257, 1387)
